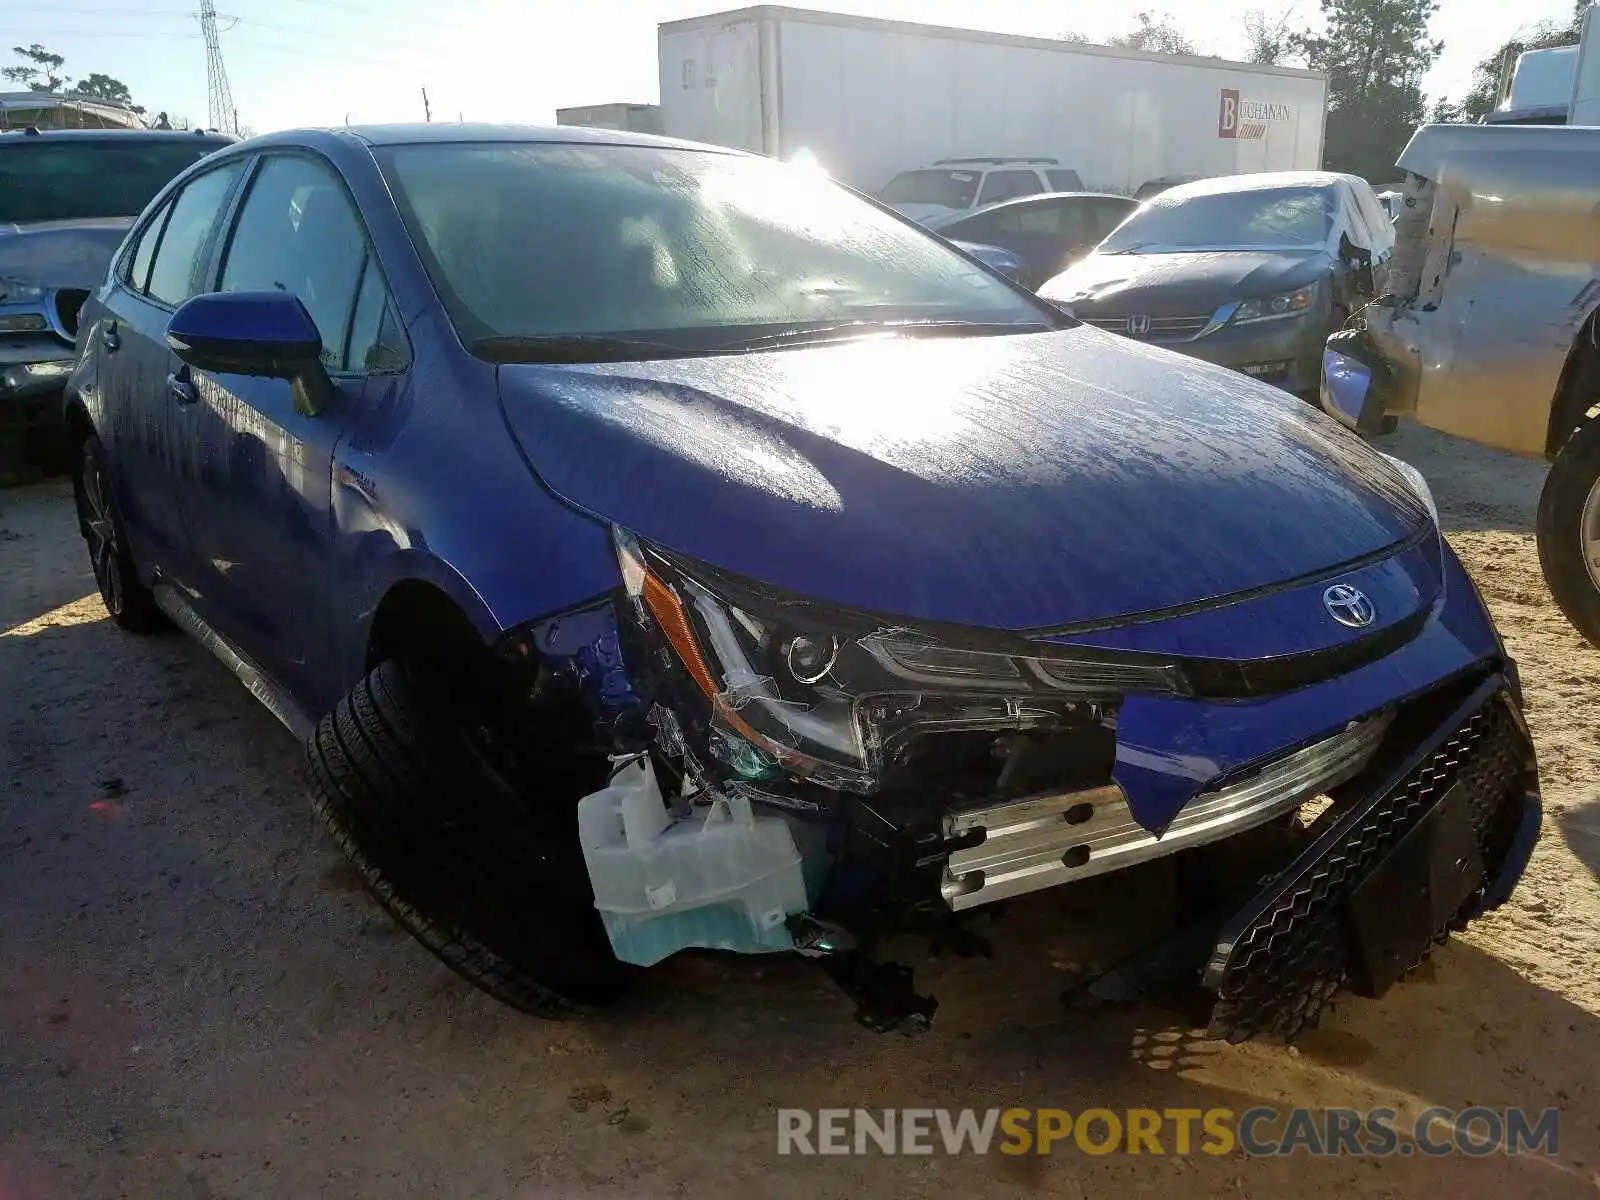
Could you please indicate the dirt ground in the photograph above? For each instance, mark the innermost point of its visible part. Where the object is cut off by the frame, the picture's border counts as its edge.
(197, 1001)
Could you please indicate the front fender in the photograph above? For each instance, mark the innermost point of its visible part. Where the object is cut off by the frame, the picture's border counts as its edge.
(438, 492)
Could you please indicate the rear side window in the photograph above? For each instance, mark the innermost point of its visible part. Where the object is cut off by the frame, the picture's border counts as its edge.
(949, 189)
(298, 233)
(174, 275)
(1006, 185)
(1064, 179)
(73, 178)
(144, 250)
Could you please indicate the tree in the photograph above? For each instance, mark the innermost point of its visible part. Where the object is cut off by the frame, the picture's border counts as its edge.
(104, 87)
(1156, 34)
(1484, 94)
(37, 72)
(1270, 39)
(1375, 53)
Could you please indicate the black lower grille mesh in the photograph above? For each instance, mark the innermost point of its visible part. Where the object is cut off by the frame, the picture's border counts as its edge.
(1297, 951)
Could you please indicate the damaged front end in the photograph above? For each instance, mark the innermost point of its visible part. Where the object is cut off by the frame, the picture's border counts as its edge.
(1488, 295)
(795, 775)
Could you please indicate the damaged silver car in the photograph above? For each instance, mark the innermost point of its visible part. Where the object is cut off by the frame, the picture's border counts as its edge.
(1491, 328)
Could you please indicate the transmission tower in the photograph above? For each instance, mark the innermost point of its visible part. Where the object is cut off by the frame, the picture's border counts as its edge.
(219, 96)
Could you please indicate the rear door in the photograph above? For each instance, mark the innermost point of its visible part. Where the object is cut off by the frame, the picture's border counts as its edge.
(159, 273)
(259, 508)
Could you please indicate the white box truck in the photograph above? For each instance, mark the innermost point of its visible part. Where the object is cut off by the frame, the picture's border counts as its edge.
(871, 98)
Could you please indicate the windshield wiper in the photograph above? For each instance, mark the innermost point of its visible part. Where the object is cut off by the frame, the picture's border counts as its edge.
(574, 348)
(843, 330)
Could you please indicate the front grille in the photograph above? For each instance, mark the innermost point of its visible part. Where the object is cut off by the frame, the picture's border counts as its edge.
(1286, 955)
(1161, 329)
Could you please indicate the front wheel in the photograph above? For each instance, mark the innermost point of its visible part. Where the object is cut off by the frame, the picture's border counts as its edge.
(1569, 528)
(485, 873)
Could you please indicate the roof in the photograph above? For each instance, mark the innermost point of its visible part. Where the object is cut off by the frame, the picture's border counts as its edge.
(446, 132)
(1434, 145)
(100, 135)
(1251, 182)
(779, 12)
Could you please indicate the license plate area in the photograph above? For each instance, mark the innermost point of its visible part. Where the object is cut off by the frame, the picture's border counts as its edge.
(1415, 892)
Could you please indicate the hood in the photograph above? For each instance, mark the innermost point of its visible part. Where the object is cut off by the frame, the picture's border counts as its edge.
(923, 212)
(1029, 481)
(1182, 284)
(61, 254)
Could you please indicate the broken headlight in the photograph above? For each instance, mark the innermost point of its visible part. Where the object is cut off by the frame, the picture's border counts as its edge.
(793, 688)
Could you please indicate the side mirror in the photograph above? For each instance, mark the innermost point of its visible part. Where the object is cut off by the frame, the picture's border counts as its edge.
(266, 334)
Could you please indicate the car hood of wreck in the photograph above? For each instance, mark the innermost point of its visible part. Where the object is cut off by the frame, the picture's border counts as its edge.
(60, 254)
(1183, 282)
(1026, 482)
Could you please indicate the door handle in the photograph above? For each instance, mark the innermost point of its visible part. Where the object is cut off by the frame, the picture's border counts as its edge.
(110, 338)
(181, 389)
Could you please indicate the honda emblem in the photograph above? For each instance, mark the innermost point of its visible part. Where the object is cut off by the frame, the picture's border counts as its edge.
(1138, 326)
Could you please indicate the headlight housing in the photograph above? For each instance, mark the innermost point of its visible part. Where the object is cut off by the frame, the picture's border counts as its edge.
(15, 292)
(808, 690)
(1275, 308)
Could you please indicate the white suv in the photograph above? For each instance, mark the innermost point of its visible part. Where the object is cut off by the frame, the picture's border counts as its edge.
(961, 184)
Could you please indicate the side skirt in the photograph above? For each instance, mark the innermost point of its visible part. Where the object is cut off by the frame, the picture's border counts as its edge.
(262, 686)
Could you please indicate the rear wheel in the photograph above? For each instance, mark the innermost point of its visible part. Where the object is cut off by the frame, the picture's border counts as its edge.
(1569, 528)
(486, 874)
(129, 603)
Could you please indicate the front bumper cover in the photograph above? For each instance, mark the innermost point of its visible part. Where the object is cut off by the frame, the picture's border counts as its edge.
(918, 851)
(32, 367)
(1441, 837)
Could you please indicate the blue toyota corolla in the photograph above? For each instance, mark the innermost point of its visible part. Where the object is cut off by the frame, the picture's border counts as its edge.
(662, 547)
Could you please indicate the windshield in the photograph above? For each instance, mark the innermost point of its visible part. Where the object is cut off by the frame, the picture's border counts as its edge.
(952, 189)
(530, 240)
(1257, 218)
(42, 179)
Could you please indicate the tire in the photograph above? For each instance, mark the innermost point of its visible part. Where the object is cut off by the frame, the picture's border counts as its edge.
(128, 602)
(1569, 528)
(490, 879)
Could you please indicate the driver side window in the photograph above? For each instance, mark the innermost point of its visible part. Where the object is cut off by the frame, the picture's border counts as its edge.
(298, 232)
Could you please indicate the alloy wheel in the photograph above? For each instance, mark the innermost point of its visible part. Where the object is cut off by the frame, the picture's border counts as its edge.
(1589, 533)
(105, 547)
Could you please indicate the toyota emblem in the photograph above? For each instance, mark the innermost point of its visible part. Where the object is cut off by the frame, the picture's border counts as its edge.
(1138, 326)
(1349, 606)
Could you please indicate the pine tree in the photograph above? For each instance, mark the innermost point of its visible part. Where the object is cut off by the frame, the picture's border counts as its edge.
(1376, 53)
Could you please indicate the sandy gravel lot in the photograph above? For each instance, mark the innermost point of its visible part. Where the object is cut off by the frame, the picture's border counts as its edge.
(197, 1001)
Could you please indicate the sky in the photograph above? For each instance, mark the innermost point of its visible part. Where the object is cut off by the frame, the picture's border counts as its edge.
(325, 62)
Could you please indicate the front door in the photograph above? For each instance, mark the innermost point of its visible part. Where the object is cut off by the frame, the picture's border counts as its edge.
(259, 509)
